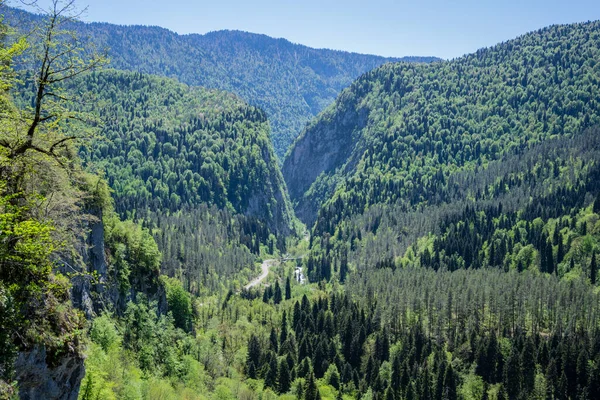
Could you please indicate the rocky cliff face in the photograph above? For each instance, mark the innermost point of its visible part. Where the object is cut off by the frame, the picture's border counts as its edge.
(324, 146)
(38, 376)
(39, 380)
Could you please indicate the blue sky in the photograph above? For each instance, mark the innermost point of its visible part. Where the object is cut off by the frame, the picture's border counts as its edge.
(440, 28)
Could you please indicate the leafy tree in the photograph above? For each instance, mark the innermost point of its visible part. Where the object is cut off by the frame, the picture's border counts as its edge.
(179, 303)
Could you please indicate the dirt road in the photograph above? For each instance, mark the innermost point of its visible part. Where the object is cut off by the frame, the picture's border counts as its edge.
(265, 266)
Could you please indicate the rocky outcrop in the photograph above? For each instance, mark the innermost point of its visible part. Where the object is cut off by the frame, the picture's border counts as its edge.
(321, 148)
(38, 380)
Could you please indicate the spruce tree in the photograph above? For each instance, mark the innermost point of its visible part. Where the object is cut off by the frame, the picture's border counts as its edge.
(288, 289)
(596, 208)
(528, 366)
(253, 358)
(582, 371)
(284, 382)
(311, 391)
(512, 374)
(450, 392)
(344, 266)
(593, 269)
(502, 395)
(272, 374)
(594, 382)
(273, 341)
(283, 335)
(389, 394)
(277, 293)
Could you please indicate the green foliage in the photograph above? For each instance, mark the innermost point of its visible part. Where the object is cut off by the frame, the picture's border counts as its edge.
(104, 332)
(134, 255)
(179, 303)
(211, 147)
(8, 350)
(405, 134)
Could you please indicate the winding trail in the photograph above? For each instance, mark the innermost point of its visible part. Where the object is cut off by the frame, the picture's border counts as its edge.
(265, 266)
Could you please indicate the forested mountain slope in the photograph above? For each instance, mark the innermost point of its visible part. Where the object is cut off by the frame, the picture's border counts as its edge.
(196, 164)
(292, 83)
(399, 132)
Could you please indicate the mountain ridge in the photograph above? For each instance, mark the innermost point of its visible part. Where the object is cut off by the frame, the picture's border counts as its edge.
(291, 82)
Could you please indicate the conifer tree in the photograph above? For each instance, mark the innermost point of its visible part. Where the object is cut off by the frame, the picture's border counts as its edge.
(277, 293)
(596, 207)
(272, 374)
(254, 355)
(512, 374)
(284, 381)
(594, 382)
(450, 392)
(283, 335)
(528, 366)
(593, 269)
(311, 391)
(288, 289)
(389, 394)
(344, 266)
(273, 341)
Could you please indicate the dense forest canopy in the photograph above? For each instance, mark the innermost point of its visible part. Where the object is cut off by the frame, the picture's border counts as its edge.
(400, 129)
(453, 213)
(176, 155)
(290, 82)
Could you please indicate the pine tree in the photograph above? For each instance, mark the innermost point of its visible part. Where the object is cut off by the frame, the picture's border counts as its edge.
(277, 293)
(288, 289)
(596, 208)
(271, 374)
(311, 391)
(593, 269)
(284, 382)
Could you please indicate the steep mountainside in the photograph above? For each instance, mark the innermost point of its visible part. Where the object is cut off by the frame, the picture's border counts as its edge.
(195, 164)
(400, 131)
(292, 83)
(169, 146)
(175, 156)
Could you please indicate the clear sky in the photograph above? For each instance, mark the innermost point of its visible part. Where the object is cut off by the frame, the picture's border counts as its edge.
(442, 28)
